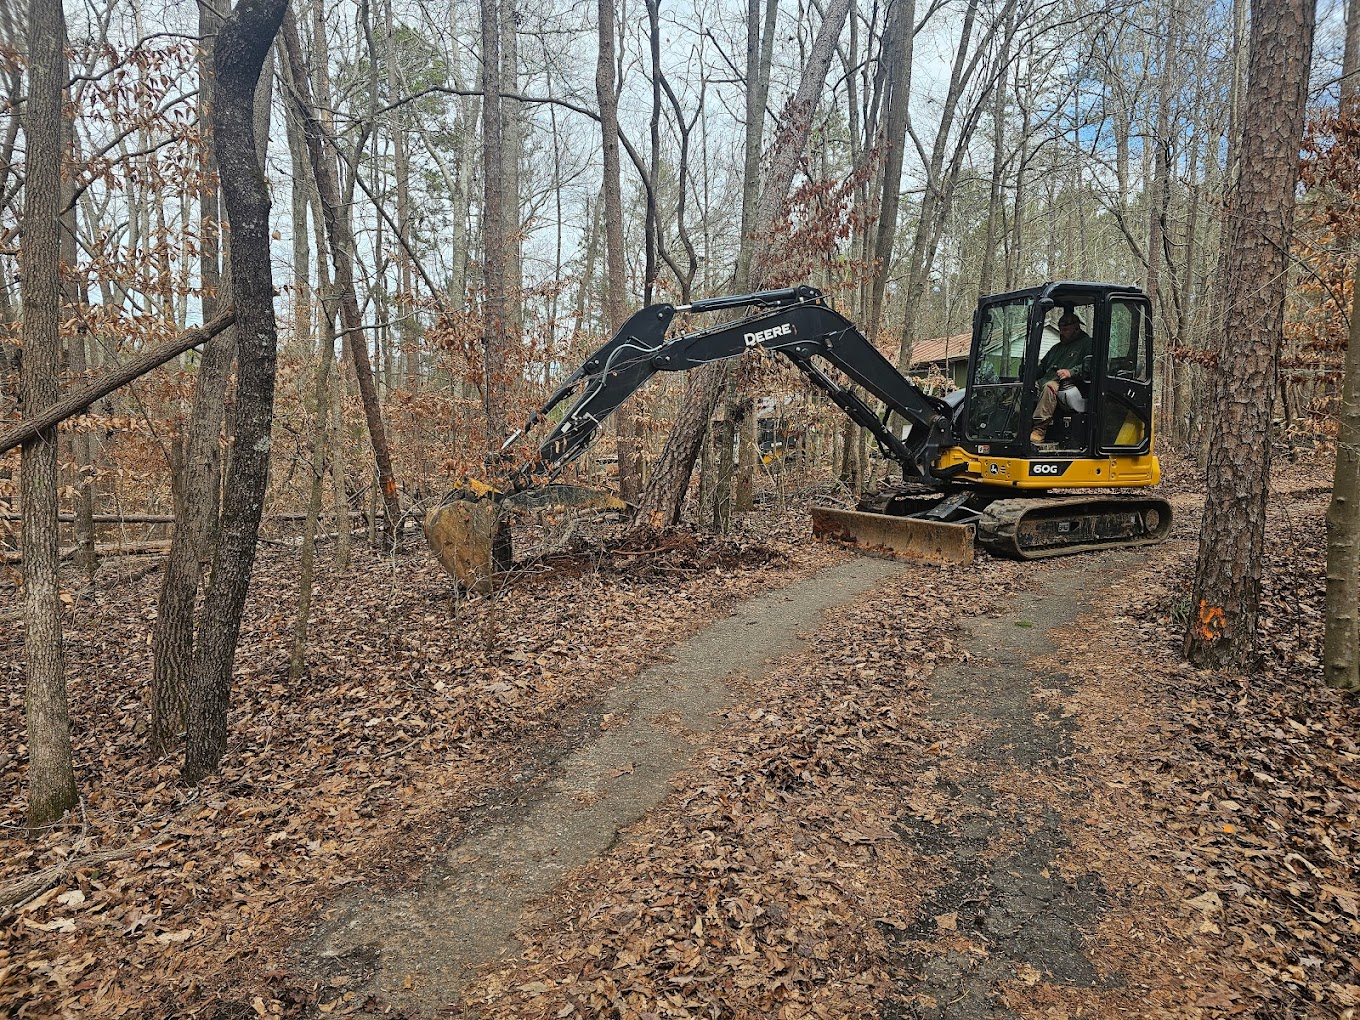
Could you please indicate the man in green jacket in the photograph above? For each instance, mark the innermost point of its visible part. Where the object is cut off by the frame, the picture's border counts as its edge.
(1065, 360)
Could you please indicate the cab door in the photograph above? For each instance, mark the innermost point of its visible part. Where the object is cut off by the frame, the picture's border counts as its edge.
(1125, 425)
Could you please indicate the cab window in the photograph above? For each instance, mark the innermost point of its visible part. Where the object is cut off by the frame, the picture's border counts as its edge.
(994, 395)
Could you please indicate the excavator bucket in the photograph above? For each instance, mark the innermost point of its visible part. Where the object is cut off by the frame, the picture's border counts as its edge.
(469, 531)
(471, 540)
(901, 537)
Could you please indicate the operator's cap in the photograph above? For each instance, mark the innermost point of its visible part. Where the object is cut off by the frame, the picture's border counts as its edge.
(1069, 318)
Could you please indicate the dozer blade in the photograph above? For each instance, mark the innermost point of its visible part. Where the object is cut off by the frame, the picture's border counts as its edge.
(469, 531)
(905, 537)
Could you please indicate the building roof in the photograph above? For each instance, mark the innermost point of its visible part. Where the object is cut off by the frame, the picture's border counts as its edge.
(942, 348)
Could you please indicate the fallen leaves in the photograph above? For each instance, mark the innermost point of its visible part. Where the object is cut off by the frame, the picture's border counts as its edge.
(413, 705)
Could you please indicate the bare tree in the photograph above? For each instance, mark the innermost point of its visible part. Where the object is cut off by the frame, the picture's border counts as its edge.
(495, 319)
(1341, 639)
(341, 244)
(196, 502)
(665, 492)
(242, 44)
(1227, 588)
(616, 279)
(51, 782)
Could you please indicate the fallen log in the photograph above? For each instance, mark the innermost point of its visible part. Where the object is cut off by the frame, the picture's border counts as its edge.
(77, 401)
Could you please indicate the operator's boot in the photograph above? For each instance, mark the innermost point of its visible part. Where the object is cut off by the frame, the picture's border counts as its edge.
(1043, 413)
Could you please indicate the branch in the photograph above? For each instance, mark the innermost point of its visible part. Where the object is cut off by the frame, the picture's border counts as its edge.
(82, 398)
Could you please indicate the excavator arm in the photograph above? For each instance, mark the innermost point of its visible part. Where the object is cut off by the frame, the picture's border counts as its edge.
(466, 530)
(794, 322)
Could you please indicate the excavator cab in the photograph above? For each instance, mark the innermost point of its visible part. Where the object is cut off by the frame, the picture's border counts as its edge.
(1104, 405)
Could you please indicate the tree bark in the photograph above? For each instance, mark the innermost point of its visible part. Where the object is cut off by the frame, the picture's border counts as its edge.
(1350, 54)
(321, 411)
(898, 46)
(1227, 587)
(666, 488)
(1341, 638)
(616, 280)
(82, 443)
(134, 368)
(495, 321)
(196, 502)
(51, 781)
(242, 44)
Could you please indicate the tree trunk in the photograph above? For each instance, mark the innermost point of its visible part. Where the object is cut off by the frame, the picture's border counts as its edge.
(321, 417)
(1160, 195)
(1227, 588)
(134, 368)
(616, 281)
(512, 140)
(196, 503)
(995, 228)
(82, 442)
(242, 44)
(1341, 640)
(666, 488)
(1341, 654)
(342, 250)
(495, 320)
(1350, 54)
(51, 782)
(899, 41)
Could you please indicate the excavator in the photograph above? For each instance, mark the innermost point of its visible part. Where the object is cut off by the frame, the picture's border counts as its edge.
(975, 469)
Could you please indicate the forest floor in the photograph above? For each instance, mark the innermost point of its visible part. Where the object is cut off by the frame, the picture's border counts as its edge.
(750, 777)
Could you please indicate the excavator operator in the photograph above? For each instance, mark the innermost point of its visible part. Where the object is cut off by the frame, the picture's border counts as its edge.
(1065, 360)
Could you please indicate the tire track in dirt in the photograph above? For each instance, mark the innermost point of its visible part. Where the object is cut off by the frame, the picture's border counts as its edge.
(415, 950)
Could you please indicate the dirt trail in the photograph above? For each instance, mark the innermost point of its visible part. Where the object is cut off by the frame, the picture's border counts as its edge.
(1019, 913)
(417, 949)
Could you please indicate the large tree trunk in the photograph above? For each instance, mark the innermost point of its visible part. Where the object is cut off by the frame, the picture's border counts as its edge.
(1227, 587)
(196, 504)
(238, 55)
(51, 782)
(665, 492)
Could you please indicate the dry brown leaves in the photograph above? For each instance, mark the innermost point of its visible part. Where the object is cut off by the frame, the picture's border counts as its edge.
(762, 887)
(413, 705)
(1253, 781)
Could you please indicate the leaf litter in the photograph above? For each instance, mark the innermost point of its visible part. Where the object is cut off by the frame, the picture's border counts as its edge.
(1219, 811)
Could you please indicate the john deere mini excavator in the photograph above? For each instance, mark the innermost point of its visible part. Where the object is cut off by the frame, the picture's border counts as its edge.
(973, 465)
